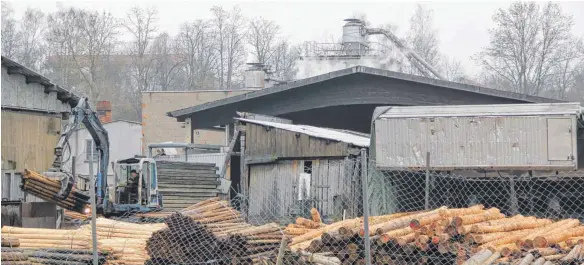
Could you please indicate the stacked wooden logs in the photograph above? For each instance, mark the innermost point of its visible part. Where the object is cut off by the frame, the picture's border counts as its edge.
(65, 257)
(443, 235)
(14, 256)
(536, 256)
(303, 225)
(20, 256)
(47, 189)
(10, 242)
(31, 238)
(125, 241)
(71, 215)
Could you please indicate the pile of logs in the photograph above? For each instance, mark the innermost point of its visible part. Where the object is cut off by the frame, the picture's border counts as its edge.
(71, 215)
(14, 256)
(445, 235)
(303, 225)
(31, 238)
(19, 256)
(47, 189)
(212, 230)
(125, 241)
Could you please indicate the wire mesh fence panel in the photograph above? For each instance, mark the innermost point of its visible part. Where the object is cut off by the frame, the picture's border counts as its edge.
(311, 212)
(477, 217)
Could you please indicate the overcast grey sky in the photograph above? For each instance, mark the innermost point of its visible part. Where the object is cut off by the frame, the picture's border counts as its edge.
(462, 26)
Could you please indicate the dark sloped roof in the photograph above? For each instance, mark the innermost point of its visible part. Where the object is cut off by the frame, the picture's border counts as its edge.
(63, 95)
(181, 113)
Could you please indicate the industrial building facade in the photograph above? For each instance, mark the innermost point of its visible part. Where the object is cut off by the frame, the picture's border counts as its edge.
(157, 127)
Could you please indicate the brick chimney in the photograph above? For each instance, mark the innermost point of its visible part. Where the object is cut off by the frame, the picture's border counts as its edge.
(104, 111)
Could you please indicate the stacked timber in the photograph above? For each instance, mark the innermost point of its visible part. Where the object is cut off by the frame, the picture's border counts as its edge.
(65, 257)
(213, 231)
(71, 215)
(125, 241)
(32, 238)
(20, 256)
(446, 236)
(14, 256)
(303, 225)
(47, 189)
(537, 256)
(183, 184)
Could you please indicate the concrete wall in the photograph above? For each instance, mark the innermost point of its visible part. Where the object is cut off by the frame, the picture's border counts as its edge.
(157, 127)
(125, 142)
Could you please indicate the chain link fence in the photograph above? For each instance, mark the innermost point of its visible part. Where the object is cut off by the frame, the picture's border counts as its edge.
(311, 212)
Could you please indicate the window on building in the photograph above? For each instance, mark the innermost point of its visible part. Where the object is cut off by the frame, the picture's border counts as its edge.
(88, 145)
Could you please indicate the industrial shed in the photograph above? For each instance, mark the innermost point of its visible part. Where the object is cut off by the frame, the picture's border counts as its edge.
(33, 109)
(345, 99)
(290, 168)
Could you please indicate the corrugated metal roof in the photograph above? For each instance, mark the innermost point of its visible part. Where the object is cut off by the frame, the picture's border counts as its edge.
(356, 139)
(483, 110)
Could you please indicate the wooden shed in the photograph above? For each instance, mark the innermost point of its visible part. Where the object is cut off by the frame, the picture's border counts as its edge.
(290, 168)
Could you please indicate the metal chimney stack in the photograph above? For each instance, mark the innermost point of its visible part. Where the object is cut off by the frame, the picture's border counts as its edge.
(255, 76)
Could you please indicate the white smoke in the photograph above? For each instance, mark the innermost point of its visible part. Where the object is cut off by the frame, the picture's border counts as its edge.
(312, 67)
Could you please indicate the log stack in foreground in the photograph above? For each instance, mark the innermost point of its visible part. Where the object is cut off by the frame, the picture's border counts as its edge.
(212, 230)
(31, 238)
(47, 189)
(445, 236)
(125, 241)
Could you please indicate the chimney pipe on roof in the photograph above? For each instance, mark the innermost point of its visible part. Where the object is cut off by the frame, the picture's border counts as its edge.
(255, 76)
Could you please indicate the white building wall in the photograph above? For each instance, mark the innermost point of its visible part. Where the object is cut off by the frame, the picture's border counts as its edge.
(125, 142)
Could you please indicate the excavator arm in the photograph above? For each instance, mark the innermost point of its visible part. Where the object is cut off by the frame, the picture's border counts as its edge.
(83, 114)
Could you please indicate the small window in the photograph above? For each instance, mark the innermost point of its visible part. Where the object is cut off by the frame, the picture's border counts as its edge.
(88, 145)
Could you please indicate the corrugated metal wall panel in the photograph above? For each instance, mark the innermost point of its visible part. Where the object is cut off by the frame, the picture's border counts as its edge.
(28, 140)
(468, 142)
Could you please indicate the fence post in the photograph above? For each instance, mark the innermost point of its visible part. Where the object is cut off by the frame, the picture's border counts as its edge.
(364, 183)
(93, 208)
(427, 188)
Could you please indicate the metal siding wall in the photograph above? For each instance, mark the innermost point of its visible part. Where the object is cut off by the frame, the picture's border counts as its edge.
(463, 141)
(17, 93)
(26, 140)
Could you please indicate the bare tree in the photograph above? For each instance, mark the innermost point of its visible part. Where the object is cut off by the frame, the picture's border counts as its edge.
(197, 54)
(232, 47)
(10, 36)
(452, 70)
(88, 39)
(283, 61)
(219, 21)
(141, 24)
(531, 48)
(166, 64)
(421, 37)
(32, 27)
(263, 37)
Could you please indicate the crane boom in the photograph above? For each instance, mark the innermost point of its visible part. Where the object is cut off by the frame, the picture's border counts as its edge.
(82, 113)
(413, 57)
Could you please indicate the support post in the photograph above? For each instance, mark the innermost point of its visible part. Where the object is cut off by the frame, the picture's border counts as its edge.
(364, 184)
(427, 188)
(243, 167)
(93, 208)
